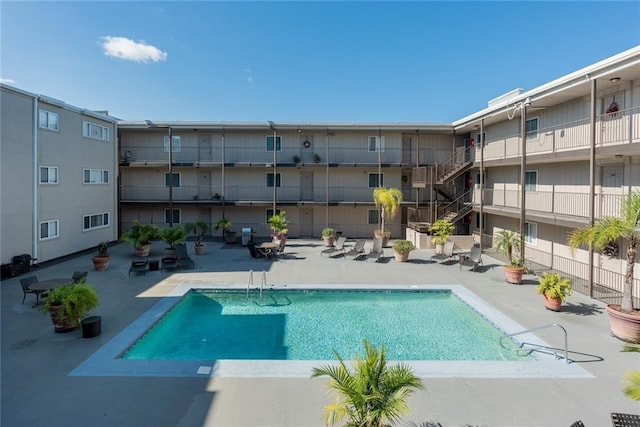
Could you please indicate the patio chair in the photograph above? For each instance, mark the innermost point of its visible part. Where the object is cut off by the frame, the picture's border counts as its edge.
(447, 252)
(473, 259)
(376, 251)
(139, 266)
(356, 251)
(79, 276)
(184, 260)
(339, 247)
(26, 283)
(625, 420)
(168, 263)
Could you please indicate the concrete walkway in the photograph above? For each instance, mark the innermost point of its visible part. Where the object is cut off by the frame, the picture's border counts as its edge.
(37, 389)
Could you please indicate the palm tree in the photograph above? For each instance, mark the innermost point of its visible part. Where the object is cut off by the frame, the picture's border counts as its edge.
(371, 394)
(610, 229)
(388, 200)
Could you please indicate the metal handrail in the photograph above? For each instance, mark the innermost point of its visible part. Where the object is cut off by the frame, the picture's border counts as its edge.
(550, 325)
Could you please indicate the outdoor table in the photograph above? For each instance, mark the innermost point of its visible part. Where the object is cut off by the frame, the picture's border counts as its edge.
(267, 248)
(45, 285)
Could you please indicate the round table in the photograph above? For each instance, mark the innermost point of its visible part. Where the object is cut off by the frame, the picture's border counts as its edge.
(45, 285)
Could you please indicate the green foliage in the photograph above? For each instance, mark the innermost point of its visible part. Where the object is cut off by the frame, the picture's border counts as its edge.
(278, 223)
(223, 224)
(632, 379)
(507, 242)
(610, 229)
(388, 200)
(75, 301)
(172, 236)
(103, 249)
(372, 394)
(442, 229)
(328, 232)
(403, 246)
(140, 234)
(554, 286)
(199, 229)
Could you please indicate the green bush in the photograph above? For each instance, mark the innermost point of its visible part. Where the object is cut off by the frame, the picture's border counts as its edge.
(74, 300)
(554, 286)
(403, 246)
(328, 232)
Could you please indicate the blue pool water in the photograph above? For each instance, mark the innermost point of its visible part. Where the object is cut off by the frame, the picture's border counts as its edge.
(310, 325)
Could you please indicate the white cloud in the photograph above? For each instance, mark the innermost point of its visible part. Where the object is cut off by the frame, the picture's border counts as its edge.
(248, 77)
(124, 48)
(7, 81)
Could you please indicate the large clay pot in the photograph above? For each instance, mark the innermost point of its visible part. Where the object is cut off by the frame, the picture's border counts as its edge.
(143, 250)
(513, 274)
(404, 257)
(329, 240)
(101, 262)
(200, 249)
(552, 304)
(624, 325)
(385, 237)
(62, 325)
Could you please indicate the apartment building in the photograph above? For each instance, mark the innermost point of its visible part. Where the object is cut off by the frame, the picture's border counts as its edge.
(58, 176)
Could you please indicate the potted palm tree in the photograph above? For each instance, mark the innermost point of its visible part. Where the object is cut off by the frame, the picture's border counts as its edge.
(101, 261)
(329, 236)
(401, 249)
(388, 199)
(372, 393)
(199, 229)
(67, 305)
(507, 242)
(442, 229)
(172, 236)
(224, 224)
(278, 224)
(623, 318)
(555, 289)
(140, 236)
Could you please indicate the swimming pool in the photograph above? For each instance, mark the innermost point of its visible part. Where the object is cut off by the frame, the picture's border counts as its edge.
(311, 324)
(108, 360)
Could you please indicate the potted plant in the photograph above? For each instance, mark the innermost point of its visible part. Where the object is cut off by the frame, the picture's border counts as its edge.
(624, 319)
(401, 249)
(224, 224)
(140, 236)
(199, 229)
(172, 236)
(506, 242)
(388, 200)
(101, 261)
(329, 236)
(554, 288)
(67, 305)
(442, 229)
(278, 224)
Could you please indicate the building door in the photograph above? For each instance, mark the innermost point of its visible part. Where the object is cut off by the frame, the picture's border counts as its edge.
(406, 150)
(204, 185)
(306, 222)
(612, 190)
(205, 154)
(306, 186)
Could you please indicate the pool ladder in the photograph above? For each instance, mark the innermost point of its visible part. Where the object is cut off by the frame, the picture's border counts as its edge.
(534, 346)
(263, 283)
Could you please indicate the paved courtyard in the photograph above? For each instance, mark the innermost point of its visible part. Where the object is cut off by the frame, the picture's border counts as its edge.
(38, 390)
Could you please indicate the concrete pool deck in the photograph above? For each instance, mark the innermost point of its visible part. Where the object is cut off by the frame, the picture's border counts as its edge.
(37, 388)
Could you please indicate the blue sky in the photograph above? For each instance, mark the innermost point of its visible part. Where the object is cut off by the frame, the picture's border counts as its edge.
(302, 61)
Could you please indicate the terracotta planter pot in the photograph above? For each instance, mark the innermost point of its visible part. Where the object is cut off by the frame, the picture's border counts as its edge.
(513, 274)
(385, 237)
(62, 325)
(329, 240)
(439, 248)
(552, 304)
(101, 262)
(200, 250)
(624, 325)
(143, 250)
(401, 257)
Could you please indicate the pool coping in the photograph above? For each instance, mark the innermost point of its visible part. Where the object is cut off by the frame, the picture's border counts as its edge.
(106, 361)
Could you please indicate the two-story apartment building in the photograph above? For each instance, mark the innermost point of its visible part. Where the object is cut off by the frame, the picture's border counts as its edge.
(58, 176)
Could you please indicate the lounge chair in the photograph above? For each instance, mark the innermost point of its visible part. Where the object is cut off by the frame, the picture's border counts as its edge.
(376, 251)
(26, 283)
(184, 260)
(338, 247)
(79, 276)
(473, 259)
(356, 250)
(625, 420)
(447, 252)
(578, 423)
(138, 266)
(168, 263)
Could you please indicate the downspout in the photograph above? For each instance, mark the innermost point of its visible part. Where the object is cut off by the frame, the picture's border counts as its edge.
(326, 183)
(417, 166)
(222, 178)
(592, 176)
(34, 158)
(481, 142)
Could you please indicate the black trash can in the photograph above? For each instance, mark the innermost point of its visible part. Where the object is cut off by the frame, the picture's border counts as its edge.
(154, 264)
(91, 326)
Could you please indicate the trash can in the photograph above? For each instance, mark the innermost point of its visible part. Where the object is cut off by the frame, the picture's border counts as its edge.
(247, 234)
(154, 264)
(91, 326)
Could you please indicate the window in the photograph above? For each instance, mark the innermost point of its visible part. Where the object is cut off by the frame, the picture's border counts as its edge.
(531, 127)
(270, 213)
(531, 233)
(175, 146)
(95, 176)
(268, 141)
(49, 229)
(376, 180)
(176, 179)
(484, 221)
(484, 179)
(176, 216)
(531, 181)
(94, 131)
(100, 220)
(48, 120)
(270, 179)
(481, 139)
(372, 216)
(376, 143)
(48, 175)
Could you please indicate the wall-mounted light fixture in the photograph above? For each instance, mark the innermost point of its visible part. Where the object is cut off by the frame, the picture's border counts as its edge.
(614, 79)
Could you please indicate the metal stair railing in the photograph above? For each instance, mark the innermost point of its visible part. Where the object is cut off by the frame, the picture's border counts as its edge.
(534, 346)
